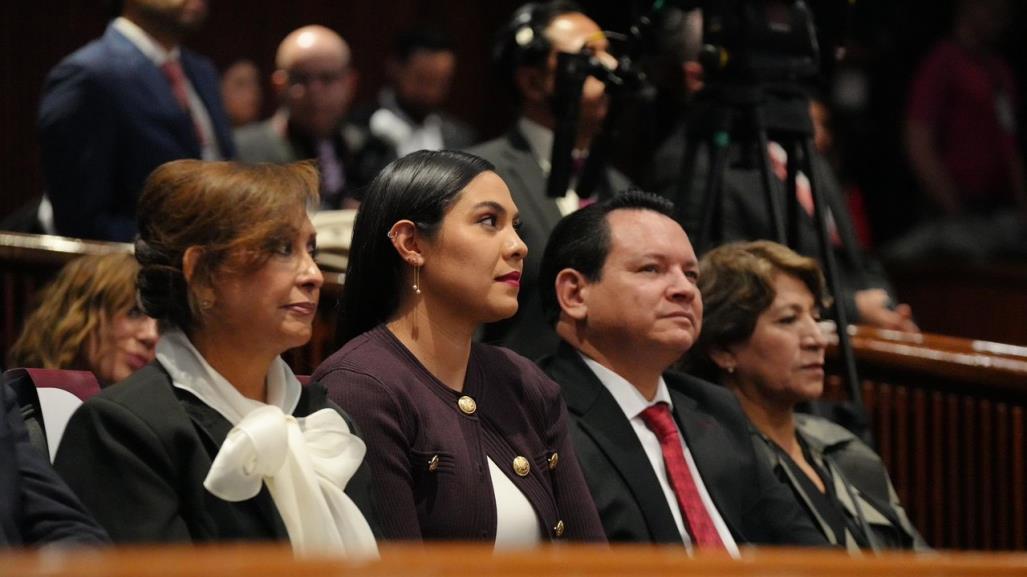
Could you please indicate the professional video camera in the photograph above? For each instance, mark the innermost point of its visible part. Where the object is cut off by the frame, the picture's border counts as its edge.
(757, 40)
(745, 43)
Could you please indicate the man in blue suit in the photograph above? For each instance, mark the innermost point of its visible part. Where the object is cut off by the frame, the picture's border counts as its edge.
(121, 106)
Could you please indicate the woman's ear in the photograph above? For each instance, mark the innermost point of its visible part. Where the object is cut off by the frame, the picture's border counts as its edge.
(202, 290)
(724, 358)
(405, 240)
(572, 293)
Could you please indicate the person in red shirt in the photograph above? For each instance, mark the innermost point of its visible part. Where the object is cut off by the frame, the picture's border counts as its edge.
(961, 124)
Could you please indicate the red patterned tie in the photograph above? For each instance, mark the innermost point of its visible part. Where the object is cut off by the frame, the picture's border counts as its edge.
(172, 69)
(697, 519)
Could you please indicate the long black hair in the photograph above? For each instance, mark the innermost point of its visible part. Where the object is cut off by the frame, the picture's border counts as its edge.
(419, 187)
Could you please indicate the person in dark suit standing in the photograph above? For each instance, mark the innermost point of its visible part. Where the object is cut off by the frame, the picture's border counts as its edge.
(667, 457)
(527, 50)
(36, 507)
(123, 105)
(408, 112)
(217, 440)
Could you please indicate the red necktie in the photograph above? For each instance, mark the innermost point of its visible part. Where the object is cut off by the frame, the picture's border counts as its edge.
(697, 519)
(172, 69)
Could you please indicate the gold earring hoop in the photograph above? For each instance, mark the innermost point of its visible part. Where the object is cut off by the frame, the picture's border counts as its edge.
(417, 280)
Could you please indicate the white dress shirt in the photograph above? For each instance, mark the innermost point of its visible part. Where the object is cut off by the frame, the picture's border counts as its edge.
(632, 403)
(158, 55)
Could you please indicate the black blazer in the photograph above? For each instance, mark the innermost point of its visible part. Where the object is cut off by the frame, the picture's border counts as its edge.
(36, 506)
(756, 507)
(528, 332)
(137, 455)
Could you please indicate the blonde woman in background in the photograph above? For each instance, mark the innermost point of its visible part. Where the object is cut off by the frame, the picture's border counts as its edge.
(88, 319)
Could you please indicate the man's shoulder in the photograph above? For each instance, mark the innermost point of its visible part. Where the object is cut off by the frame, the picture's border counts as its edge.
(498, 150)
(261, 142)
(709, 397)
(198, 62)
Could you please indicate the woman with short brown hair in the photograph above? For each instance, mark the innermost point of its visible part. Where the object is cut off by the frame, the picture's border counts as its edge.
(217, 440)
(761, 339)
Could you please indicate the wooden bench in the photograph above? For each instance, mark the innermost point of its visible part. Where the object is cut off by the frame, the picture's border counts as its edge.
(479, 560)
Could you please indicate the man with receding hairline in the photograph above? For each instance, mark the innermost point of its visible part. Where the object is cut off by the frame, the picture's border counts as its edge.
(315, 82)
(123, 105)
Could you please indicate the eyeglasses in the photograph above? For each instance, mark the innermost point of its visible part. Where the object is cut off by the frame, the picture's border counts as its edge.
(328, 77)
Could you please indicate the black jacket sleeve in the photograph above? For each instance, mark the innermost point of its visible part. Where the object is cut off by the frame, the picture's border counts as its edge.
(36, 507)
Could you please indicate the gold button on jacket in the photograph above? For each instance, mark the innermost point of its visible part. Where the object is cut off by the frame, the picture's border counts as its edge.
(558, 529)
(467, 405)
(521, 466)
(433, 464)
(554, 459)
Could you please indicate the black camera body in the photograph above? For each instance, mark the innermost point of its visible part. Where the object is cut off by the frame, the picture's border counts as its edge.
(757, 41)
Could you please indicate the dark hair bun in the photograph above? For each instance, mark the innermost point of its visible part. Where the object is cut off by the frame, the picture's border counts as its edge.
(163, 293)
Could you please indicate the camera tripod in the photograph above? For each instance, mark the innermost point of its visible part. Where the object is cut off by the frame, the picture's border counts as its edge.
(755, 115)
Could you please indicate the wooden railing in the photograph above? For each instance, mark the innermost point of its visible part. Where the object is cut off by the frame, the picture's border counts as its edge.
(982, 300)
(460, 560)
(947, 413)
(948, 418)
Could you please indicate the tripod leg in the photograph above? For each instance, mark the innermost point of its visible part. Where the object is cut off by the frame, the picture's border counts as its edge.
(831, 270)
(683, 193)
(792, 198)
(767, 176)
(712, 195)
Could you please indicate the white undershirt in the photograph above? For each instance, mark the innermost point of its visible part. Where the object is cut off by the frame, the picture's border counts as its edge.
(632, 403)
(517, 526)
(156, 54)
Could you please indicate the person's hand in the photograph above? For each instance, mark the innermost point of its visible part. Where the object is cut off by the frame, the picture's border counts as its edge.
(874, 306)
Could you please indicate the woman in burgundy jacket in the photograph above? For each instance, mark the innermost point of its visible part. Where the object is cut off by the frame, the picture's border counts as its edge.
(466, 441)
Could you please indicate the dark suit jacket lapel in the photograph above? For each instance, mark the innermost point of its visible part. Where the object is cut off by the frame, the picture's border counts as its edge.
(602, 419)
(533, 181)
(213, 429)
(714, 463)
(158, 94)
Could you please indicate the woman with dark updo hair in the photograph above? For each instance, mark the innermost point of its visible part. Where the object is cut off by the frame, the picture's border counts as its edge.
(470, 441)
(217, 440)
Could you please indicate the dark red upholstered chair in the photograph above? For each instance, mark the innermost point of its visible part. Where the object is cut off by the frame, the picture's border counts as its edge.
(48, 397)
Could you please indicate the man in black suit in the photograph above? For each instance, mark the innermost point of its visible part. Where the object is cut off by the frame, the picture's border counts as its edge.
(527, 50)
(36, 507)
(620, 278)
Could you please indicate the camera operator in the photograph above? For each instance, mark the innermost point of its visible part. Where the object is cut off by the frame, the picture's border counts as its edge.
(526, 51)
(865, 291)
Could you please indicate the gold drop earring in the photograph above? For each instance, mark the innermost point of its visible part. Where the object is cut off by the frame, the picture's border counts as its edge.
(417, 280)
